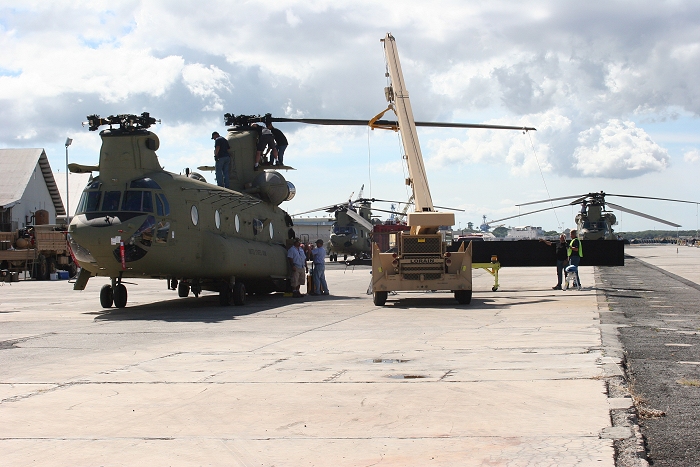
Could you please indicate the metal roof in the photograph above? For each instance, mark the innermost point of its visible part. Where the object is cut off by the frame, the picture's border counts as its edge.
(16, 169)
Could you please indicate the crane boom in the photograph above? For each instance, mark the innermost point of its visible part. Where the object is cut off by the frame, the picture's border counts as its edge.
(425, 219)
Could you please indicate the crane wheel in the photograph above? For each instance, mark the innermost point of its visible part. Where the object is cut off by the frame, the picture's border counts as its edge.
(464, 297)
(380, 298)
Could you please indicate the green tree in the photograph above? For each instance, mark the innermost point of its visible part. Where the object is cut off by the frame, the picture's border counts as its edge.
(500, 232)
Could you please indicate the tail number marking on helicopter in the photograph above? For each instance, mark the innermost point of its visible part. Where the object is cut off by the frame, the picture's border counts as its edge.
(252, 251)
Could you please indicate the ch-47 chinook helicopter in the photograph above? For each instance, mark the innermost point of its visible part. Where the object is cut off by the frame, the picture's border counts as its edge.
(135, 220)
(594, 222)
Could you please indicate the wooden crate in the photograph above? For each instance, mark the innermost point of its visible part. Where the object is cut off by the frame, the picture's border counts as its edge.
(50, 241)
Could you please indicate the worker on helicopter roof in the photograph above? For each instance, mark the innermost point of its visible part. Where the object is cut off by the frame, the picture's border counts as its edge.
(265, 140)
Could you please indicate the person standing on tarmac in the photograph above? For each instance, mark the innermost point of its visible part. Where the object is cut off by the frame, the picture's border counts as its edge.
(297, 261)
(318, 256)
(222, 158)
(575, 253)
(560, 253)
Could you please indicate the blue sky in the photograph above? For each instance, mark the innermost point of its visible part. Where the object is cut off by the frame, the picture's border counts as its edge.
(612, 88)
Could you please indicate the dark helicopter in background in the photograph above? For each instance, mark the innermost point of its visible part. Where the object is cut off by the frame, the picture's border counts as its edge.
(351, 233)
(594, 221)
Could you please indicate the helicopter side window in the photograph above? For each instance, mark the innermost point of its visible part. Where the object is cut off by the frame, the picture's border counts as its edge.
(162, 206)
(111, 201)
(139, 201)
(257, 226)
(145, 182)
(94, 185)
(162, 232)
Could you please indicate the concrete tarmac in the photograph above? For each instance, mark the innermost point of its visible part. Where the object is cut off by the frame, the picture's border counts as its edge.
(653, 307)
(517, 378)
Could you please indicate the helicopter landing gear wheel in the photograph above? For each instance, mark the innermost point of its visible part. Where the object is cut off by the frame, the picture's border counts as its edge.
(494, 288)
(120, 296)
(380, 298)
(106, 296)
(183, 290)
(172, 284)
(239, 294)
(225, 294)
(464, 297)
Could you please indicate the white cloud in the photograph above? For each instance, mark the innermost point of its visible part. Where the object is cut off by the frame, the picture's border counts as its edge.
(205, 82)
(292, 19)
(618, 150)
(692, 156)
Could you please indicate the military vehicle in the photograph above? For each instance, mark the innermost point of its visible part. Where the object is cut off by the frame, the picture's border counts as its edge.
(594, 221)
(135, 220)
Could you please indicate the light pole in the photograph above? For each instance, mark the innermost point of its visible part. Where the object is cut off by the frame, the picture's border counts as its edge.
(68, 143)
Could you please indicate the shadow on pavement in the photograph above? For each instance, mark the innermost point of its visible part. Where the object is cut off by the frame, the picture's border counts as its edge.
(206, 308)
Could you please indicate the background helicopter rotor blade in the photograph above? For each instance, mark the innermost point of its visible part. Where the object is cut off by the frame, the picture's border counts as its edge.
(641, 214)
(360, 220)
(551, 199)
(401, 202)
(652, 197)
(331, 208)
(337, 121)
(526, 213)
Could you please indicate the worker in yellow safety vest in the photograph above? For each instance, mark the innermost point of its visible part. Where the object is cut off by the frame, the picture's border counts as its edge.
(575, 253)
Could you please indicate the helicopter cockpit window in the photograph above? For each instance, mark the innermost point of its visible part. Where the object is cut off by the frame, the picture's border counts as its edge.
(94, 185)
(111, 201)
(257, 226)
(162, 206)
(139, 201)
(89, 202)
(145, 182)
(344, 230)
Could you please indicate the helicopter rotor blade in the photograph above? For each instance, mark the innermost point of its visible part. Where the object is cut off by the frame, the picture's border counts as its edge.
(527, 213)
(337, 121)
(384, 210)
(652, 197)
(332, 207)
(360, 220)
(402, 202)
(551, 199)
(641, 214)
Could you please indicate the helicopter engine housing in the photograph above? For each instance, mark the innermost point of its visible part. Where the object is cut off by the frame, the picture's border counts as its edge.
(273, 187)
